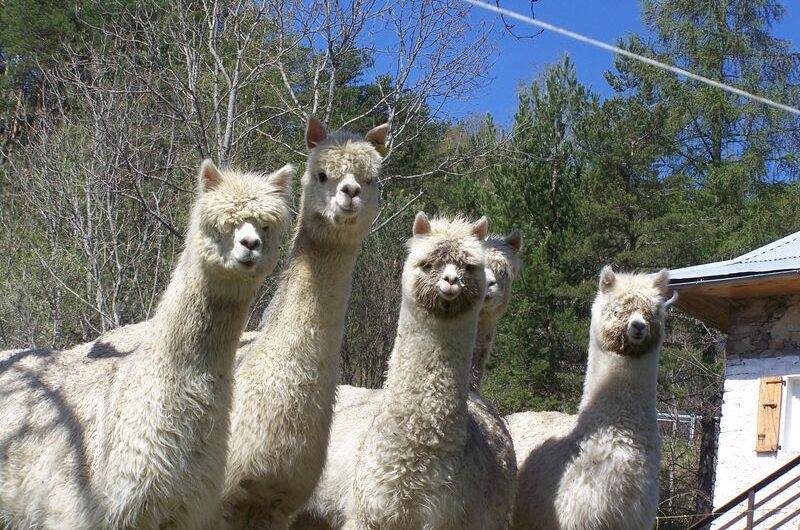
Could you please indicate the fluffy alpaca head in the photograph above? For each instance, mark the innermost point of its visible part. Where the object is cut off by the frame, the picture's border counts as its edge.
(340, 186)
(502, 265)
(238, 218)
(444, 273)
(628, 313)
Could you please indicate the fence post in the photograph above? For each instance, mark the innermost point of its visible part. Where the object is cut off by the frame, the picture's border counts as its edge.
(751, 498)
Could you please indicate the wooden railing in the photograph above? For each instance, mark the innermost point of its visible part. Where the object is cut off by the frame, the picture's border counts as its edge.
(785, 508)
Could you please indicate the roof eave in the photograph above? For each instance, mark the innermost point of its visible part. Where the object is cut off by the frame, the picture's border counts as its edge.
(693, 282)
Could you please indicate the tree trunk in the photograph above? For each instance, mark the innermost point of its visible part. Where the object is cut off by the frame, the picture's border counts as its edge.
(709, 433)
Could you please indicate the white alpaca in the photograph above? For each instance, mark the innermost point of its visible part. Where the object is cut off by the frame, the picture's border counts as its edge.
(426, 461)
(133, 435)
(355, 406)
(286, 375)
(502, 265)
(599, 470)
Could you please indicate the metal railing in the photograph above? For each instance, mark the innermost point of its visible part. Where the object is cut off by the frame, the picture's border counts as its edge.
(784, 508)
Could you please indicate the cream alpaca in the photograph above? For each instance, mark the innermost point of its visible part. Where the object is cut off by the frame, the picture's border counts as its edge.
(599, 470)
(355, 407)
(133, 436)
(286, 376)
(425, 461)
(502, 265)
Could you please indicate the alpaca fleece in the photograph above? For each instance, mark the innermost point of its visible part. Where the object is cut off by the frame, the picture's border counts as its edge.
(417, 454)
(598, 470)
(488, 446)
(129, 431)
(355, 406)
(286, 374)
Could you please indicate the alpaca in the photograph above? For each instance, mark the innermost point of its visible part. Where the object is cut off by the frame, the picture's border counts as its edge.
(503, 264)
(427, 460)
(356, 406)
(286, 375)
(599, 469)
(134, 435)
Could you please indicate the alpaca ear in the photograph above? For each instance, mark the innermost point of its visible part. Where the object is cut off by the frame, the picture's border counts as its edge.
(481, 228)
(422, 225)
(672, 299)
(282, 179)
(315, 133)
(514, 240)
(606, 278)
(661, 281)
(377, 137)
(209, 177)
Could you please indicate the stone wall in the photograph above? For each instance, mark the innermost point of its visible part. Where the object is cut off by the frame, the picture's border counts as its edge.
(764, 327)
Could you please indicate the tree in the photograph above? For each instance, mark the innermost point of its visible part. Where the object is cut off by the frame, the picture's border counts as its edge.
(141, 91)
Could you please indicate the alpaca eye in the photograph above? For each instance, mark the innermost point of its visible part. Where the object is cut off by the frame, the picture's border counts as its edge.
(266, 228)
(426, 267)
(321, 176)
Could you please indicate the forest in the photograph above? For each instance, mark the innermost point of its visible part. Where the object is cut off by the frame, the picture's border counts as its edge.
(108, 107)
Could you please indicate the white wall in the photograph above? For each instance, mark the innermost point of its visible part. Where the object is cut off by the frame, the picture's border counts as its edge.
(738, 464)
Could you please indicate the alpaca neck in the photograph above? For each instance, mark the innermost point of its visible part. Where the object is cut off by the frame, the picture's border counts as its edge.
(312, 299)
(619, 389)
(200, 317)
(429, 372)
(484, 344)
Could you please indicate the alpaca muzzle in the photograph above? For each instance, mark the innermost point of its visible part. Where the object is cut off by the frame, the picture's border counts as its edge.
(448, 290)
(637, 330)
(347, 205)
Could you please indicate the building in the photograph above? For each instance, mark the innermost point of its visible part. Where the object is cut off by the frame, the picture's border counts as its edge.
(755, 300)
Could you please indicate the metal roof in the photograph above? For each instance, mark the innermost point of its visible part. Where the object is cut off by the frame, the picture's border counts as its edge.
(777, 258)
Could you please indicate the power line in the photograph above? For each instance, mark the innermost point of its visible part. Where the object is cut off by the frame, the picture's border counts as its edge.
(632, 55)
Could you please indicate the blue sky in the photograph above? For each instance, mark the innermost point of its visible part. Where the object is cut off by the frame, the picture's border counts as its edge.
(518, 62)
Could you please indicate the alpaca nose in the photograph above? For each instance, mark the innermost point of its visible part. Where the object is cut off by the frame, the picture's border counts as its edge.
(638, 325)
(450, 277)
(491, 283)
(350, 189)
(250, 243)
(450, 283)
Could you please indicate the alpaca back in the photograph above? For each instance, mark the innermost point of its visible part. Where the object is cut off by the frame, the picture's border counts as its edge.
(44, 442)
(530, 429)
(503, 263)
(490, 459)
(573, 479)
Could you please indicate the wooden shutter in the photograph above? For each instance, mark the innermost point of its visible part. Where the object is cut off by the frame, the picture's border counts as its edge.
(769, 414)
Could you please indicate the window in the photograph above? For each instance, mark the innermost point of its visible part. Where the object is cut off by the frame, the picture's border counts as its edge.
(791, 415)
